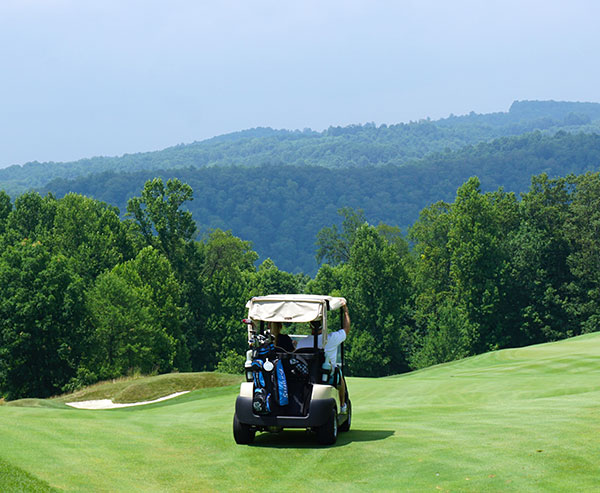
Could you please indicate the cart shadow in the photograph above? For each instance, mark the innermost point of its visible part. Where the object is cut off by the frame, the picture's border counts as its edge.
(305, 439)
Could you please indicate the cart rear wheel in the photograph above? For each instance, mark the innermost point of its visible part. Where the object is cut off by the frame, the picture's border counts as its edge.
(242, 433)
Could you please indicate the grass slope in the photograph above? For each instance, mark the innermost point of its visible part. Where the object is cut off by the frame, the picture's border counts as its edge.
(513, 420)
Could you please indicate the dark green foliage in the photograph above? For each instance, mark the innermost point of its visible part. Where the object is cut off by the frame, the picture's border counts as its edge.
(232, 362)
(480, 224)
(269, 279)
(224, 278)
(491, 272)
(582, 230)
(41, 309)
(159, 217)
(447, 336)
(375, 281)
(32, 217)
(91, 233)
(5, 210)
(137, 317)
(539, 252)
(333, 246)
(282, 208)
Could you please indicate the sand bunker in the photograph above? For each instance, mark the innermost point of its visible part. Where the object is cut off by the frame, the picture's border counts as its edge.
(109, 404)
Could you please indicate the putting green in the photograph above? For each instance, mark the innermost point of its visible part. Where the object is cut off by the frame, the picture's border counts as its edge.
(513, 420)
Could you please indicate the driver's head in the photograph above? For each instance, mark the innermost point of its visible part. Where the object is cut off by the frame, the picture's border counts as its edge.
(315, 326)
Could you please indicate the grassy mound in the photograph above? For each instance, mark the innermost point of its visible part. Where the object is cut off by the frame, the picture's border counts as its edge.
(138, 389)
(514, 420)
(34, 403)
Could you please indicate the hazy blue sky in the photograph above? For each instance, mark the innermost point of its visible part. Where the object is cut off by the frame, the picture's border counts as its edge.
(81, 78)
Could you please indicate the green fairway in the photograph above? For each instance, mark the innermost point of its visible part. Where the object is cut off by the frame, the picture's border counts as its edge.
(514, 420)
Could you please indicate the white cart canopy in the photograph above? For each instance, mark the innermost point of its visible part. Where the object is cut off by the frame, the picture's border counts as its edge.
(291, 307)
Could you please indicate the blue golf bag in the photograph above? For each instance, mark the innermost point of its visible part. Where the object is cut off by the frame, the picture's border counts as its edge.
(270, 383)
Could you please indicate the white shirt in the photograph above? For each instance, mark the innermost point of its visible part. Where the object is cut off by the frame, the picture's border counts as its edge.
(334, 339)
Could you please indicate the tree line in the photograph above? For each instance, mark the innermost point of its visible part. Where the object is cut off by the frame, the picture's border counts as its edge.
(86, 295)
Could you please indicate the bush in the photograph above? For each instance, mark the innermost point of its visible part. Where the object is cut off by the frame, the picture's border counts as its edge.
(84, 378)
(231, 362)
(447, 338)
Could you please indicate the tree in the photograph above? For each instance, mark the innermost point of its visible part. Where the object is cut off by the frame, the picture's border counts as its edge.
(138, 319)
(91, 233)
(225, 277)
(430, 237)
(376, 283)
(158, 212)
(31, 218)
(5, 210)
(41, 314)
(446, 337)
(479, 262)
(268, 279)
(152, 271)
(582, 230)
(539, 271)
(333, 245)
(328, 281)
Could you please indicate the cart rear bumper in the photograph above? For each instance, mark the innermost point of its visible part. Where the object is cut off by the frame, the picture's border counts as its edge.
(318, 413)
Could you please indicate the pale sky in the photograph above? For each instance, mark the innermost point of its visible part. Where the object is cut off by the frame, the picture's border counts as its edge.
(83, 78)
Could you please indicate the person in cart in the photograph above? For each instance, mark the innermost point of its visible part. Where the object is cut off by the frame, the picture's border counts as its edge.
(334, 339)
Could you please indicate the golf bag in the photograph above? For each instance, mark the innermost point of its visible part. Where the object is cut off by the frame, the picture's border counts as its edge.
(270, 383)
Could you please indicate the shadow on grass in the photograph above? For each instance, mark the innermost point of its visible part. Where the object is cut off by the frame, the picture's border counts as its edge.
(307, 439)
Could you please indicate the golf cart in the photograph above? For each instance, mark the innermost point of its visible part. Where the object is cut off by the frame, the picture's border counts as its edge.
(290, 388)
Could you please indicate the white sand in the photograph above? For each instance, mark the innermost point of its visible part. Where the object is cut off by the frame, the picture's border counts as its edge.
(109, 404)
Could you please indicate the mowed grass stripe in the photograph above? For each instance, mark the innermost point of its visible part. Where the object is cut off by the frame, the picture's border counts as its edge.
(514, 420)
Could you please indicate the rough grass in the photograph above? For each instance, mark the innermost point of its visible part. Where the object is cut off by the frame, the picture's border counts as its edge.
(518, 420)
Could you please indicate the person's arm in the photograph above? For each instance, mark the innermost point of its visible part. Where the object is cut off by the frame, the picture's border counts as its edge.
(345, 319)
(275, 329)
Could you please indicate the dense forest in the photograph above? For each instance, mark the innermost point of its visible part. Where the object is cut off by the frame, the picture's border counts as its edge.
(86, 295)
(280, 209)
(435, 232)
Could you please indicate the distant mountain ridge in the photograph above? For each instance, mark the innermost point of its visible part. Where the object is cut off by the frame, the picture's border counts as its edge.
(553, 109)
(336, 147)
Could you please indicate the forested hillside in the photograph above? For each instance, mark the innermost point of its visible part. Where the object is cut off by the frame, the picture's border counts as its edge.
(336, 147)
(281, 209)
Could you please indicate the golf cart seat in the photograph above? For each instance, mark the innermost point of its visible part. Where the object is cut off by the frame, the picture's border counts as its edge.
(305, 350)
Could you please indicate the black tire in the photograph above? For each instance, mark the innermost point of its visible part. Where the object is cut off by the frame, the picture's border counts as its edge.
(243, 434)
(327, 434)
(345, 426)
